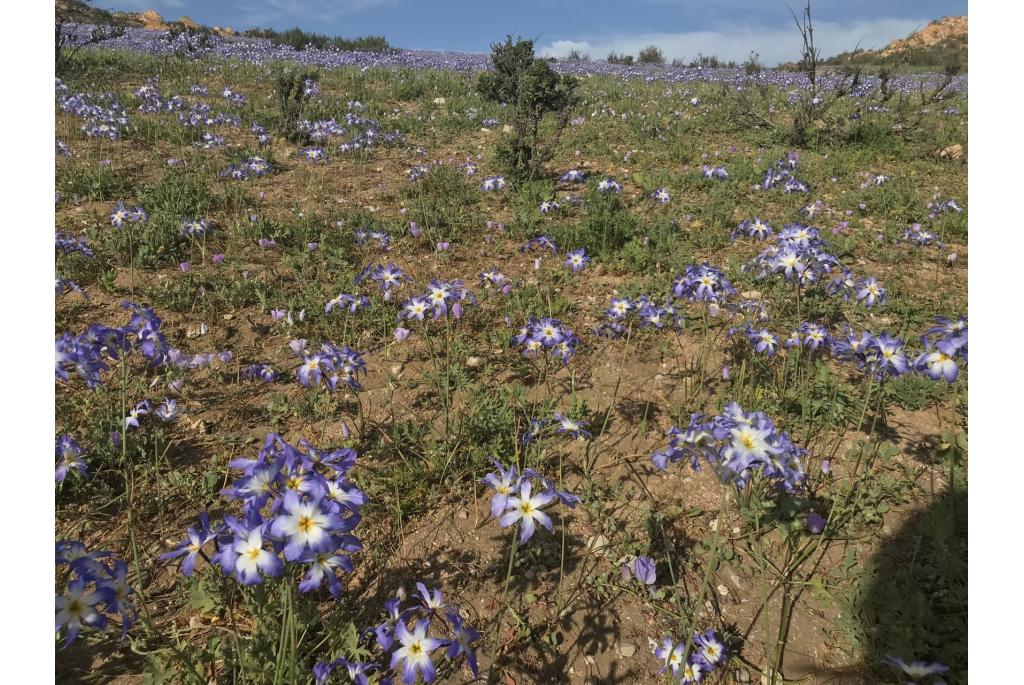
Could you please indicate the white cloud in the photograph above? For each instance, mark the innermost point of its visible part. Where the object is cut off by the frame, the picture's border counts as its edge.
(774, 45)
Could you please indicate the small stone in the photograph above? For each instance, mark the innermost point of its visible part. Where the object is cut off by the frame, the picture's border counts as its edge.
(751, 295)
(723, 590)
(462, 514)
(625, 649)
(473, 362)
(228, 317)
(439, 101)
(597, 544)
(397, 370)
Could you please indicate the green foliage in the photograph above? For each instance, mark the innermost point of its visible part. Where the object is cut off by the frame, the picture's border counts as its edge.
(300, 40)
(531, 89)
(290, 90)
(98, 182)
(443, 203)
(651, 55)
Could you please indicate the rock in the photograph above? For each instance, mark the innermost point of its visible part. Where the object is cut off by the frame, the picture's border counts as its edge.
(506, 129)
(952, 152)
(625, 649)
(397, 370)
(439, 101)
(722, 590)
(751, 295)
(597, 544)
(462, 514)
(187, 21)
(473, 362)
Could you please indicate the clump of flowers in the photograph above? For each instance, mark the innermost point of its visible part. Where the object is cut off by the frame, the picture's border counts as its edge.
(878, 355)
(781, 173)
(799, 255)
(572, 176)
(691, 663)
(493, 183)
(363, 237)
(87, 354)
(702, 283)
(258, 372)
(716, 172)
(316, 155)
(645, 311)
(298, 509)
(547, 334)
(194, 228)
(944, 344)
(753, 228)
(331, 365)
(121, 214)
(608, 185)
(920, 237)
(442, 298)
(661, 196)
(917, 671)
(69, 458)
(409, 640)
(514, 500)
(96, 590)
(736, 443)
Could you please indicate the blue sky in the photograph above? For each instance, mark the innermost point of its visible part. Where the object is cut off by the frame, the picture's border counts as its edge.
(682, 28)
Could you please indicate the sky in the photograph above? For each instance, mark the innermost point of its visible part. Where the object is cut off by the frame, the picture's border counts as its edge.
(681, 28)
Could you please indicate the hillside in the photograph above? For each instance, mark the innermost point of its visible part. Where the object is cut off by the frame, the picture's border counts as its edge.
(80, 12)
(941, 43)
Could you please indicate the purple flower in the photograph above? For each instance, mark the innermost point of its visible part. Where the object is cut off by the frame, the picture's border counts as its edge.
(641, 568)
(815, 523)
(401, 333)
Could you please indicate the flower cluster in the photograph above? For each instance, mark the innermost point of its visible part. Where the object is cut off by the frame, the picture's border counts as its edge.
(572, 176)
(707, 651)
(441, 298)
(661, 196)
(716, 172)
(736, 443)
(920, 237)
(781, 172)
(345, 302)
(879, 355)
(753, 228)
(389, 278)
(540, 243)
(331, 365)
(546, 334)
(66, 243)
(514, 501)
(493, 183)
(799, 255)
(363, 237)
(194, 228)
(120, 214)
(949, 340)
(435, 625)
(96, 590)
(608, 185)
(702, 283)
(917, 671)
(297, 503)
(316, 155)
(643, 310)
(69, 458)
(86, 354)
(247, 168)
(258, 372)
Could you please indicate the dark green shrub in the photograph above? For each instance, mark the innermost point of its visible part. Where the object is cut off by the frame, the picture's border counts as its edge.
(530, 89)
